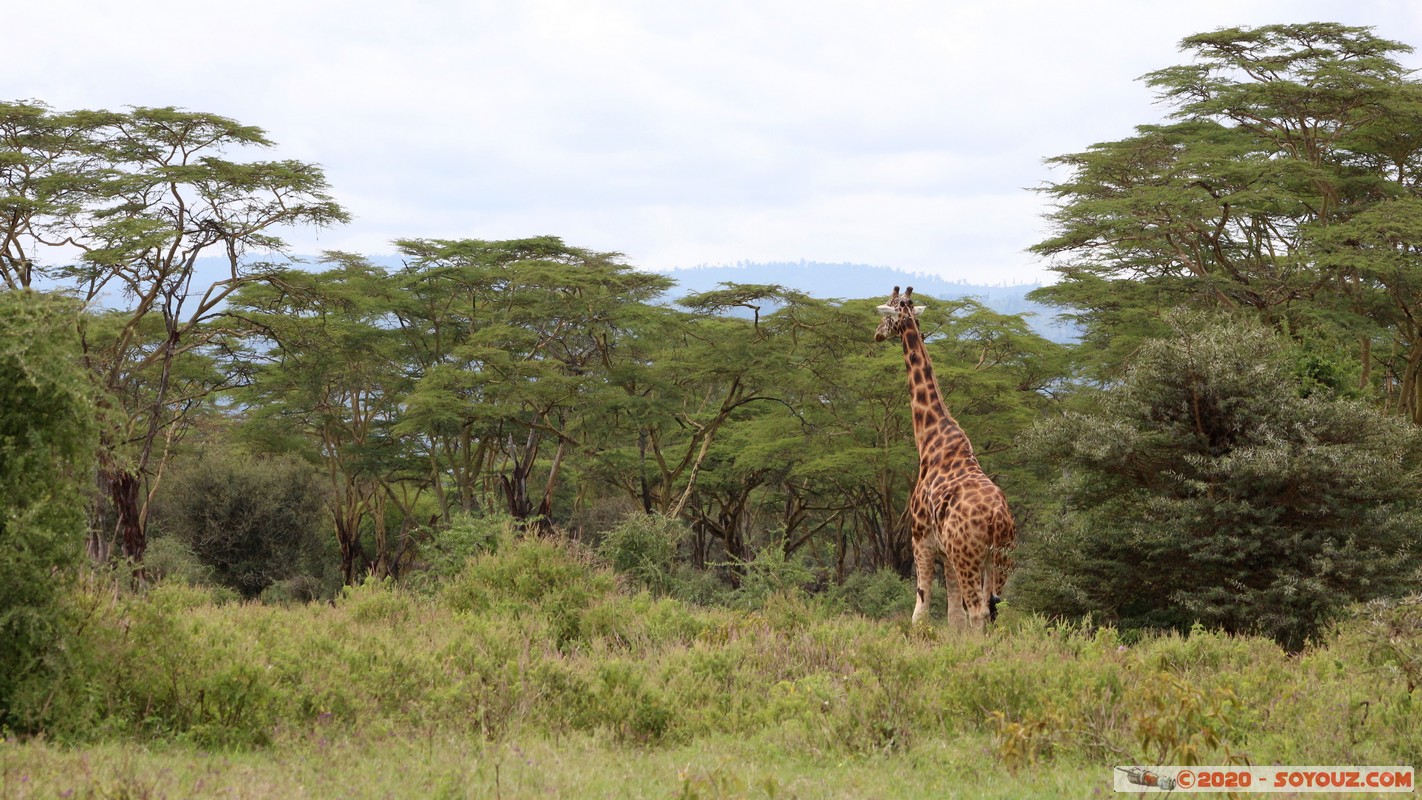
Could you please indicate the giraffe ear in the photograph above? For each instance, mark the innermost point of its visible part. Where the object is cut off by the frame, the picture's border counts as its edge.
(885, 310)
(917, 310)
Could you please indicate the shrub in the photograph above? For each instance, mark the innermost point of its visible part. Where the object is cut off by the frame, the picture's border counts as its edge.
(170, 558)
(376, 601)
(772, 572)
(466, 536)
(701, 587)
(1205, 488)
(1392, 636)
(622, 703)
(47, 440)
(253, 522)
(298, 589)
(879, 594)
(644, 547)
(550, 579)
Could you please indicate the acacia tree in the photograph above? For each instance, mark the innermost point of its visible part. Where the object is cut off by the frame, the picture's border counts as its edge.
(49, 165)
(823, 446)
(715, 368)
(327, 376)
(1373, 255)
(1281, 133)
(515, 344)
(141, 197)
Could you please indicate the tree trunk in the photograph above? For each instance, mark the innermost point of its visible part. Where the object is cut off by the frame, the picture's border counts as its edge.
(1411, 390)
(124, 490)
(515, 484)
(353, 560)
(1367, 373)
(642, 471)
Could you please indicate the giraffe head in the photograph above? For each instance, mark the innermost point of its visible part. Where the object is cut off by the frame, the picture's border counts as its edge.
(897, 313)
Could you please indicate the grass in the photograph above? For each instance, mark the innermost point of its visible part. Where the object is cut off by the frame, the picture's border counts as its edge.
(536, 672)
(578, 766)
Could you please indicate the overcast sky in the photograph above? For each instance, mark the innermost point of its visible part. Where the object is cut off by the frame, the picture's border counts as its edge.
(901, 134)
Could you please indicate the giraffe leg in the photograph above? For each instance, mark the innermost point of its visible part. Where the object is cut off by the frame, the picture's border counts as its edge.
(975, 601)
(956, 616)
(923, 567)
(1001, 562)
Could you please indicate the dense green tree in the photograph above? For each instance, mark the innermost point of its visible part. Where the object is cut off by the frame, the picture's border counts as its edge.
(1207, 488)
(1378, 251)
(996, 375)
(47, 439)
(825, 464)
(473, 373)
(254, 521)
(712, 367)
(1281, 134)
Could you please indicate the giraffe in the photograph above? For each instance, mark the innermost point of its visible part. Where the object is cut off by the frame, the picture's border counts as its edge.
(956, 512)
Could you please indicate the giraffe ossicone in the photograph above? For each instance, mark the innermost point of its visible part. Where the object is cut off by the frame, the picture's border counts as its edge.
(956, 512)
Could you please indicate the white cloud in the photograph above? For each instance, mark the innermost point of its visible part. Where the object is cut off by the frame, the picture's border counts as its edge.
(896, 133)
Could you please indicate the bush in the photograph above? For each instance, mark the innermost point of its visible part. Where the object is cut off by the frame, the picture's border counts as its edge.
(552, 580)
(771, 572)
(1206, 488)
(298, 589)
(701, 587)
(170, 558)
(880, 594)
(47, 441)
(253, 522)
(644, 547)
(450, 548)
(622, 703)
(1392, 638)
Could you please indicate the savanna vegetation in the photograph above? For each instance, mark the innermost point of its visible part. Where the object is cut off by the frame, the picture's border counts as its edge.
(507, 518)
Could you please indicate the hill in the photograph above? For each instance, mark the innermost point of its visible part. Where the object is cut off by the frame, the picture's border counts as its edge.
(852, 281)
(817, 279)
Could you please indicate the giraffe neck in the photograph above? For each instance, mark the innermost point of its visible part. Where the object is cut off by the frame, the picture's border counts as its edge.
(937, 434)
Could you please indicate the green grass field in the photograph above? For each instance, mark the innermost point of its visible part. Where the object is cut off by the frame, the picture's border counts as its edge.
(534, 673)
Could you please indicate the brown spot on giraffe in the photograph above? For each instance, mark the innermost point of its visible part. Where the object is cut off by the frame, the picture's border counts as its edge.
(956, 512)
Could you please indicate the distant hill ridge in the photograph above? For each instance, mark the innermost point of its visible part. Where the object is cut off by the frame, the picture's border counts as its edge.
(817, 279)
(858, 281)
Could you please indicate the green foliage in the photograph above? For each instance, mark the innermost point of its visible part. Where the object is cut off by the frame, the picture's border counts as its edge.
(1391, 632)
(701, 587)
(465, 537)
(532, 576)
(296, 589)
(772, 573)
(47, 439)
(376, 601)
(493, 662)
(1205, 488)
(644, 547)
(143, 196)
(169, 558)
(880, 594)
(1306, 131)
(254, 522)
(1181, 723)
(623, 703)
